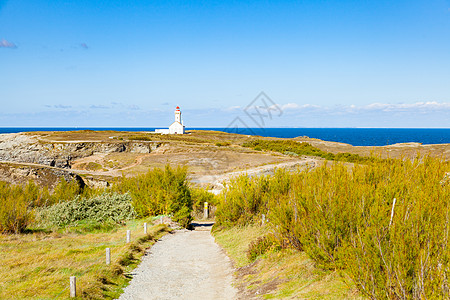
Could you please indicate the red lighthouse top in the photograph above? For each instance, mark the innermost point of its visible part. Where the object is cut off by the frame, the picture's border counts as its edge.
(178, 108)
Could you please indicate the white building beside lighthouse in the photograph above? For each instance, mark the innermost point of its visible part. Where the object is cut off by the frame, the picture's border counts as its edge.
(176, 127)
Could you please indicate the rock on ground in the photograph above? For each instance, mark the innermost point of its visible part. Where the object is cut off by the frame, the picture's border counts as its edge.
(183, 265)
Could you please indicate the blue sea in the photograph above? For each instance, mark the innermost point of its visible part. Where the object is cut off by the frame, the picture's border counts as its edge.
(353, 136)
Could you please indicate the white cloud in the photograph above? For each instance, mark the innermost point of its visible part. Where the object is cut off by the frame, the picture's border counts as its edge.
(418, 106)
(429, 106)
(290, 106)
(5, 44)
(233, 108)
(99, 107)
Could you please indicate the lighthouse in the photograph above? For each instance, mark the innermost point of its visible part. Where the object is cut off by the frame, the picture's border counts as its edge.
(178, 115)
(177, 127)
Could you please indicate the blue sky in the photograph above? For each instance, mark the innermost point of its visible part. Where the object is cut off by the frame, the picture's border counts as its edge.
(129, 63)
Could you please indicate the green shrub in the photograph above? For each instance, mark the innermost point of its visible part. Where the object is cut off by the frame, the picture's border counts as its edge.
(244, 199)
(262, 245)
(160, 192)
(290, 147)
(15, 214)
(108, 207)
(69, 190)
(36, 196)
(241, 200)
(199, 197)
(17, 202)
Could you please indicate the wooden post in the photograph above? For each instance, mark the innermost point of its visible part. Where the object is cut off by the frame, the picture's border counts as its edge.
(263, 220)
(108, 256)
(128, 236)
(161, 220)
(205, 211)
(73, 286)
(295, 213)
(392, 212)
(145, 228)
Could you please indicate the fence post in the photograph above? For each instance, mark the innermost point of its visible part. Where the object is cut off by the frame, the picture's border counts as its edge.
(145, 228)
(205, 211)
(295, 213)
(161, 221)
(108, 256)
(73, 286)
(128, 236)
(392, 212)
(263, 220)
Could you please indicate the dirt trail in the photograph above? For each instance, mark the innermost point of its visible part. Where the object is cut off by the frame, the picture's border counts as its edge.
(183, 265)
(110, 172)
(216, 182)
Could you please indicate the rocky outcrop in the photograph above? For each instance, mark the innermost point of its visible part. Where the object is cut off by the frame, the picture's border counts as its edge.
(42, 175)
(29, 149)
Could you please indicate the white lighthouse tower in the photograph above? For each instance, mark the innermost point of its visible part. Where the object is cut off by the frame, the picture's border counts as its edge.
(178, 115)
(177, 127)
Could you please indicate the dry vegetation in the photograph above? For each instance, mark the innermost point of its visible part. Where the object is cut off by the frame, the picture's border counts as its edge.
(38, 265)
(280, 274)
(385, 223)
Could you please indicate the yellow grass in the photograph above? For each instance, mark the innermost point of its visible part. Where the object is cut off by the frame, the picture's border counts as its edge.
(236, 240)
(38, 265)
(285, 274)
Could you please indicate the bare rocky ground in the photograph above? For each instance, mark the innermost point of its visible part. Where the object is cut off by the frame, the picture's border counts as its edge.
(183, 265)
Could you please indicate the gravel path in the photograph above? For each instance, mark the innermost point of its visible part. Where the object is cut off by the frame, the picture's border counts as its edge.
(183, 265)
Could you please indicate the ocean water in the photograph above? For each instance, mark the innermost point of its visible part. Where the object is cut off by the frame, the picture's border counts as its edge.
(353, 136)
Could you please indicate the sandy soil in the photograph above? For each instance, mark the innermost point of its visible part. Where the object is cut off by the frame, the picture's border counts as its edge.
(183, 265)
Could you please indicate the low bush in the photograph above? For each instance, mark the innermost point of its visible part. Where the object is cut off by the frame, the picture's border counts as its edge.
(17, 202)
(199, 197)
(222, 144)
(241, 201)
(15, 213)
(160, 191)
(108, 207)
(69, 190)
(36, 196)
(244, 199)
(262, 245)
(290, 147)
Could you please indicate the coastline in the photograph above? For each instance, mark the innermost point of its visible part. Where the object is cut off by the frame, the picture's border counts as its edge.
(352, 136)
